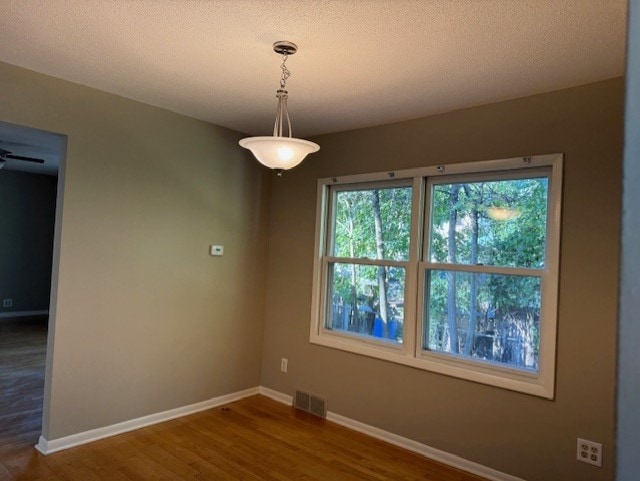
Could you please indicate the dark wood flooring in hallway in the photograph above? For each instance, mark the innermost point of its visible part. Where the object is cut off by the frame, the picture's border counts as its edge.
(23, 345)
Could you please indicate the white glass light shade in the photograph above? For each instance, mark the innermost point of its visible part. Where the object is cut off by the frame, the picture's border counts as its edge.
(280, 153)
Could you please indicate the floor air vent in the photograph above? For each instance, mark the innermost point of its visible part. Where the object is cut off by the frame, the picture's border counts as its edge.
(310, 403)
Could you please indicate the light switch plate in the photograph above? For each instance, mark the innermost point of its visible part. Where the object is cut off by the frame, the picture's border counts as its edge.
(216, 250)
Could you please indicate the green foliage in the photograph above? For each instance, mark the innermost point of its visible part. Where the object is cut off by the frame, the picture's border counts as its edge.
(511, 232)
(354, 225)
(497, 223)
(354, 236)
(355, 233)
(515, 242)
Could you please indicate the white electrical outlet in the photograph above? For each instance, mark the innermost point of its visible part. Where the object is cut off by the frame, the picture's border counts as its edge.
(284, 364)
(7, 302)
(589, 452)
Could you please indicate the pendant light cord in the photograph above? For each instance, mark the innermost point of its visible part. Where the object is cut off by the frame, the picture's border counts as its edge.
(285, 71)
(282, 110)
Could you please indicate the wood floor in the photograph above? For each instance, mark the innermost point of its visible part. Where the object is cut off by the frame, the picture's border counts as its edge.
(253, 439)
(22, 357)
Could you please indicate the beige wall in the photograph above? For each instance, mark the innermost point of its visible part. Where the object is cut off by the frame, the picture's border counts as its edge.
(145, 319)
(516, 433)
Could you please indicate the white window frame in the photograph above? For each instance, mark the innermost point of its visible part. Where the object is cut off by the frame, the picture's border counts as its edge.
(410, 352)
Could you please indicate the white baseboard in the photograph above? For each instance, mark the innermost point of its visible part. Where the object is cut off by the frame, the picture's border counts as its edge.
(51, 446)
(276, 396)
(46, 446)
(11, 314)
(406, 443)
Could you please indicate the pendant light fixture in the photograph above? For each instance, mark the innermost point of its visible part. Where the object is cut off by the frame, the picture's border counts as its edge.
(279, 152)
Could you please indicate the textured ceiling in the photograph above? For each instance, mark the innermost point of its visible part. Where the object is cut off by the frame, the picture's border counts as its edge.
(360, 63)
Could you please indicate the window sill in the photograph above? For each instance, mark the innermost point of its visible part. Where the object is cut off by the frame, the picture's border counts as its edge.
(524, 382)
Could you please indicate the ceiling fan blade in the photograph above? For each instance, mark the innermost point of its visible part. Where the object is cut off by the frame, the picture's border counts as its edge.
(20, 157)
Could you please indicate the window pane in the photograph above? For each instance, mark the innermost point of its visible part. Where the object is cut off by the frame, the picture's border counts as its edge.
(372, 223)
(489, 317)
(498, 223)
(366, 300)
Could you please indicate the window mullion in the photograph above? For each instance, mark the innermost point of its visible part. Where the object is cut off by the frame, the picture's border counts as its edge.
(412, 295)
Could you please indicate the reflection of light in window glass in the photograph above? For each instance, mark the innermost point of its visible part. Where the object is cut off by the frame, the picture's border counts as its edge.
(498, 223)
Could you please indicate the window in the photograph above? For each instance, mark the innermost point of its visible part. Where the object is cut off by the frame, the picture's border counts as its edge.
(452, 269)
(367, 261)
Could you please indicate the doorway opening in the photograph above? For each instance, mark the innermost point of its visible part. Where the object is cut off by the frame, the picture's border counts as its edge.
(30, 189)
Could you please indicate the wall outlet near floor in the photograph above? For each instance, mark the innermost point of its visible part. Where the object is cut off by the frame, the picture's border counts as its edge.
(7, 302)
(589, 452)
(284, 364)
